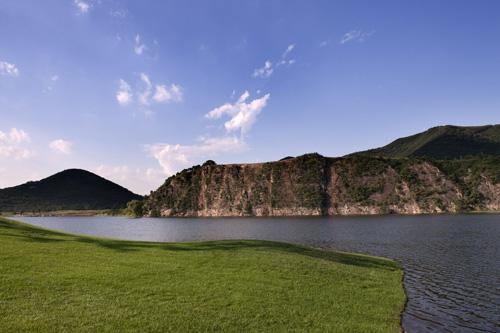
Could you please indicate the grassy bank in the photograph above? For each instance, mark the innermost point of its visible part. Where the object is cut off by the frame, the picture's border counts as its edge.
(51, 281)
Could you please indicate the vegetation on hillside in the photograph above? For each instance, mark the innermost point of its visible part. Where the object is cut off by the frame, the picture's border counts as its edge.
(135, 208)
(55, 282)
(72, 189)
(444, 142)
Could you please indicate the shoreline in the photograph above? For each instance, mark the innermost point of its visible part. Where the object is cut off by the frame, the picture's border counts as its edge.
(121, 213)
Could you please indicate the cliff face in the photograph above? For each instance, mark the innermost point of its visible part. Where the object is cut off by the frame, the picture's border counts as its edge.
(316, 185)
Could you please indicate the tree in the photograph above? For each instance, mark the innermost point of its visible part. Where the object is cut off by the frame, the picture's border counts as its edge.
(135, 208)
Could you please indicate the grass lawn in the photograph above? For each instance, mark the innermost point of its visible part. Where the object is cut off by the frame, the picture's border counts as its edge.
(53, 282)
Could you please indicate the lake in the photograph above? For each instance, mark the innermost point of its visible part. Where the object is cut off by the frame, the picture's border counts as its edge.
(451, 262)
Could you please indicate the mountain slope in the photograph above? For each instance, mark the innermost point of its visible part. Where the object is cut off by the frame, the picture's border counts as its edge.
(444, 142)
(315, 185)
(72, 189)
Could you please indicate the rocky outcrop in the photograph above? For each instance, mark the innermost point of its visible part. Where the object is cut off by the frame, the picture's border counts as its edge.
(491, 194)
(316, 185)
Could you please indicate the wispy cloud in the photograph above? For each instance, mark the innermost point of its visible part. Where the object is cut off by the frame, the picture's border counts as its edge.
(268, 69)
(264, 71)
(82, 6)
(8, 69)
(284, 57)
(355, 35)
(148, 93)
(61, 146)
(288, 50)
(144, 96)
(139, 47)
(141, 180)
(11, 144)
(17, 136)
(174, 157)
(242, 114)
(124, 93)
(165, 94)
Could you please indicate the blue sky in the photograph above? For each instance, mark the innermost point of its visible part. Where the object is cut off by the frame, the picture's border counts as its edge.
(136, 90)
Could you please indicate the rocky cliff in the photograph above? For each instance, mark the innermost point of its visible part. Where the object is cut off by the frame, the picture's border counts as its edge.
(315, 185)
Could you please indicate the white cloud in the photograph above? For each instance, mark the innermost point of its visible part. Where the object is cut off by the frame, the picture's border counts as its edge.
(243, 97)
(351, 35)
(11, 144)
(219, 111)
(284, 56)
(174, 157)
(286, 62)
(288, 50)
(264, 71)
(18, 136)
(243, 115)
(139, 47)
(54, 77)
(8, 69)
(146, 93)
(139, 180)
(61, 146)
(145, 97)
(146, 80)
(267, 70)
(124, 93)
(82, 6)
(355, 35)
(247, 116)
(17, 153)
(164, 94)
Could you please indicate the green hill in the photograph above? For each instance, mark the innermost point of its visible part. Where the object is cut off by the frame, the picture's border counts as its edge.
(444, 142)
(72, 189)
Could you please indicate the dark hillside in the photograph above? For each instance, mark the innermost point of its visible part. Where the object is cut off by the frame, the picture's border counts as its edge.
(444, 142)
(72, 189)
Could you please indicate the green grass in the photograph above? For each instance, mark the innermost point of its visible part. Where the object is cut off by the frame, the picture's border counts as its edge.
(56, 282)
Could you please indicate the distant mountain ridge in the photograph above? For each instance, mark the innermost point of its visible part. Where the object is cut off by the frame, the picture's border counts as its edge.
(444, 169)
(443, 142)
(72, 189)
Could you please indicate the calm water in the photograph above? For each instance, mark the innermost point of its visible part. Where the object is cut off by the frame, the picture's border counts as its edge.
(452, 263)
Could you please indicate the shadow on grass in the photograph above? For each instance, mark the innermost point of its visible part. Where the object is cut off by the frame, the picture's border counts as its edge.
(11, 228)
